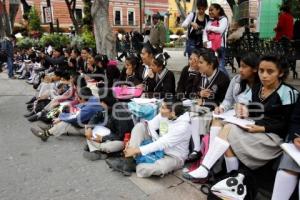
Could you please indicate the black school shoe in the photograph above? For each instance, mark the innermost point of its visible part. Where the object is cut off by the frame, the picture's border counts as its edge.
(124, 165)
(95, 155)
(29, 114)
(31, 100)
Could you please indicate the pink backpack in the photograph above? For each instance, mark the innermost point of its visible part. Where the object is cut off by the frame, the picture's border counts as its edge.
(124, 92)
(203, 150)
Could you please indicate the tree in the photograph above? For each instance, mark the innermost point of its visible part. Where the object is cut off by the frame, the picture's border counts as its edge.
(7, 19)
(88, 19)
(105, 40)
(71, 4)
(34, 20)
(26, 7)
(181, 9)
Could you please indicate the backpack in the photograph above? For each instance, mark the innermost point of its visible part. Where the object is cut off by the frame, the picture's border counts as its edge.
(237, 185)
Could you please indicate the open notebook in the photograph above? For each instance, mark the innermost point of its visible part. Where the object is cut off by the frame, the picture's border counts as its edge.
(229, 117)
(101, 131)
(292, 151)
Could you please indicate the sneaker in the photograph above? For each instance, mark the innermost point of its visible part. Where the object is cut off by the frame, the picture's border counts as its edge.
(124, 165)
(43, 135)
(96, 155)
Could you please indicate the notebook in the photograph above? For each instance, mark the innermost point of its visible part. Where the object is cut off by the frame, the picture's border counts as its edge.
(100, 130)
(229, 117)
(292, 151)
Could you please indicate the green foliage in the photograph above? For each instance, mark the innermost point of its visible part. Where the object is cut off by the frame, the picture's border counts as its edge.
(27, 42)
(88, 39)
(34, 20)
(55, 40)
(77, 42)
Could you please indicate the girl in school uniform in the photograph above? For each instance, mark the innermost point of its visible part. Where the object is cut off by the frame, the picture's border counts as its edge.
(189, 77)
(161, 80)
(211, 90)
(129, 73)
(147, 54)
(288, 172)
(271, 103)
(236, 94)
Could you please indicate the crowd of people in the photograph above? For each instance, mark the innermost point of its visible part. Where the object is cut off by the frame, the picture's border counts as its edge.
(75, 96)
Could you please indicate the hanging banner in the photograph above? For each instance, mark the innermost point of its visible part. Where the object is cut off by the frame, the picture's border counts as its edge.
(48, 15)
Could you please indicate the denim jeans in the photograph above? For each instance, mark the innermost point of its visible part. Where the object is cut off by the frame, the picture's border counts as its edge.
(222, 61)
(190, 46)
(10, 67)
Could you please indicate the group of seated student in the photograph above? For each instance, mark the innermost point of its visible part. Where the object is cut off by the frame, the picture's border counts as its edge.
(64, 104)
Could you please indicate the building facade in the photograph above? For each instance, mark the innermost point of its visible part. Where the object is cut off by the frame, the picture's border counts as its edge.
(123, 14)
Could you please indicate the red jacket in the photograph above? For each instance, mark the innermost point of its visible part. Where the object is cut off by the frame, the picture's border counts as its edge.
(285, 26)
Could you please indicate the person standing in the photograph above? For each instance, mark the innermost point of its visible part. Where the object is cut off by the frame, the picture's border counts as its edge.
(215, 33)
(8, 46)
(195, 22)
(285, 25)
(157, 33)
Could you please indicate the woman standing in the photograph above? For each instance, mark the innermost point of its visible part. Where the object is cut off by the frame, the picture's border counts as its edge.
(195, 22)
(215, 33)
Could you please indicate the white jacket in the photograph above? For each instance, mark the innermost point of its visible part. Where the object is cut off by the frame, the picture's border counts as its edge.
(222, 29)
(176, 142)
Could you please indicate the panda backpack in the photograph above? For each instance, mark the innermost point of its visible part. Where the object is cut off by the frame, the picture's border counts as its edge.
(237, 185)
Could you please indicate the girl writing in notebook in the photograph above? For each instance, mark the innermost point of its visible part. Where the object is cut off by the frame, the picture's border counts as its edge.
(270, 106)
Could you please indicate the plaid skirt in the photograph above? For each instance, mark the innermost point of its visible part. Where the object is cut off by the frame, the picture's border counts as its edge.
(254, 149)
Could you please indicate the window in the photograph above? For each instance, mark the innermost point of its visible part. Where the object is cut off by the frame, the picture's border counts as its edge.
(117, 17)
(78, 14)
(130, 17)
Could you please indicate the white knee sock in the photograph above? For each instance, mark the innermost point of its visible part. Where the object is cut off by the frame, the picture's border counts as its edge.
(214, 132)
(284, 186)
(232, 163)
(196, 134)
(219, 147)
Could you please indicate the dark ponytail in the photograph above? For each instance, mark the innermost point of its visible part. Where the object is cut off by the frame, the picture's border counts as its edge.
(161, 59)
